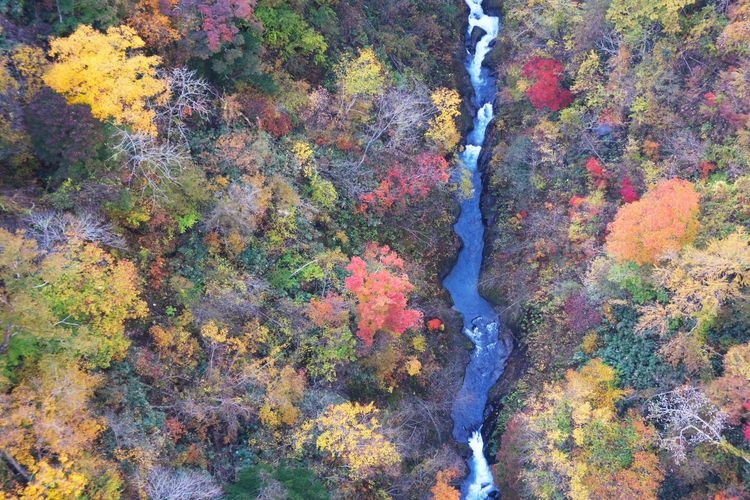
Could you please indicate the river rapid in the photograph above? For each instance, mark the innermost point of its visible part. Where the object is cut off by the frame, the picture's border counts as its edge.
(480, 321)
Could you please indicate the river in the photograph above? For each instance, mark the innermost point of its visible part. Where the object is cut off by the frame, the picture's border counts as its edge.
(481, 322)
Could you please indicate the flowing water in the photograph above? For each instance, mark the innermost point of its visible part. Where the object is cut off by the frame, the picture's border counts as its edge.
(481, 322)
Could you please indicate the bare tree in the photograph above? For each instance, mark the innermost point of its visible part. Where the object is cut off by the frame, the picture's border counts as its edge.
(181, 484)
(189, 97)
(317, 115)
(150, 162)
(51, 228)
(401, 115)
(242, 208)
(689, 419)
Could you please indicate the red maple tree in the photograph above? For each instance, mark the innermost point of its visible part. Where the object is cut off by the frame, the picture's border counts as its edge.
(404, 184)
(220, 20)
(546, 91)
(381, 287)
(627, 191)
(596, 169)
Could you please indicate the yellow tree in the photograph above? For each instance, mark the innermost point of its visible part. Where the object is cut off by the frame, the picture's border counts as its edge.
(75, 300)
(24, 317)
(56, 311)
(349, 434)
(571, 443)
(30, 62)
(362, 76)
(442, 489)
(730, 391)
(99, 69)
(48, 430)
(632, 18)
(152, 25)
(93, 295)
(442, 130)
(701, 281)
(284, 390)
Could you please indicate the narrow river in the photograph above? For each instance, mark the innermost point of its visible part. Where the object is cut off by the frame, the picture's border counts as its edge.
(481, 322)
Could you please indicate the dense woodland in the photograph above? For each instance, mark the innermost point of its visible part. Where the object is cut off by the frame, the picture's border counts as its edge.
(619, 192)
(223, 225)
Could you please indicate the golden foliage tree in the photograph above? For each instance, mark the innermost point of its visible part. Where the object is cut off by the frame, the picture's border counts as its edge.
(632, 18)
(94, 295)
(662, 221)
(362, 76)
(99, 69)
(30, 62)
(75, 301)
(47, 427)
(349, 434)
(152, 25)
(442, 489)
(730, 391)
(283, 391)
(701, 282)
(442, 129)
(573, 444)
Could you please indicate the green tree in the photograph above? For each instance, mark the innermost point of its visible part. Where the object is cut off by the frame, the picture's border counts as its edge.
(633, 18)
(286, 32)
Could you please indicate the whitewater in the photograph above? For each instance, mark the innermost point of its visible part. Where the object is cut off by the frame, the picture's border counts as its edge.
(481, 322)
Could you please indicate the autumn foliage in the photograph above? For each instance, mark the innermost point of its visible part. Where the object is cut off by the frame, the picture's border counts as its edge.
(381, 289)
(350, 433)
(153, 24)
(546, 91)
(570, 443)
(405, 184)
(663, 221)
(596, 170)
(101, 70)
(220, 19)
(442, 489)
(627, 191)
(442, 130)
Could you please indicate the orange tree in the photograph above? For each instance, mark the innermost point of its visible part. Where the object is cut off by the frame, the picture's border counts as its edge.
(381, 287)
(663, 221)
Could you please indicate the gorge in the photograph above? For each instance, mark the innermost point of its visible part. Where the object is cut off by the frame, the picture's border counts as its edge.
(480, 321)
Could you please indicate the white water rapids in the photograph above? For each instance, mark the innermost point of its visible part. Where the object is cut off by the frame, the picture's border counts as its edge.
(480, 320)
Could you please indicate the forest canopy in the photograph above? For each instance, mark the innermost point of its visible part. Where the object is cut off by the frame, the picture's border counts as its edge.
(224, 226)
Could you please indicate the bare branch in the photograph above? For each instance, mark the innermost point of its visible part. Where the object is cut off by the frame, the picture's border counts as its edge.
(688, 419)
(150, 162)
(189, 97)
(52, 228)
(181, 484)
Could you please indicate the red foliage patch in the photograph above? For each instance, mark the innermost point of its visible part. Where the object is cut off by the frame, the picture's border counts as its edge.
(276, 123)
(580, 315)
(435, 324)
(219, 17)
(596, 169)
(706, 167)
(381, 288)
(157, 271)
(546, 92)
(332, 310)
(175, 430)
(627, 191)
(404, 184)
